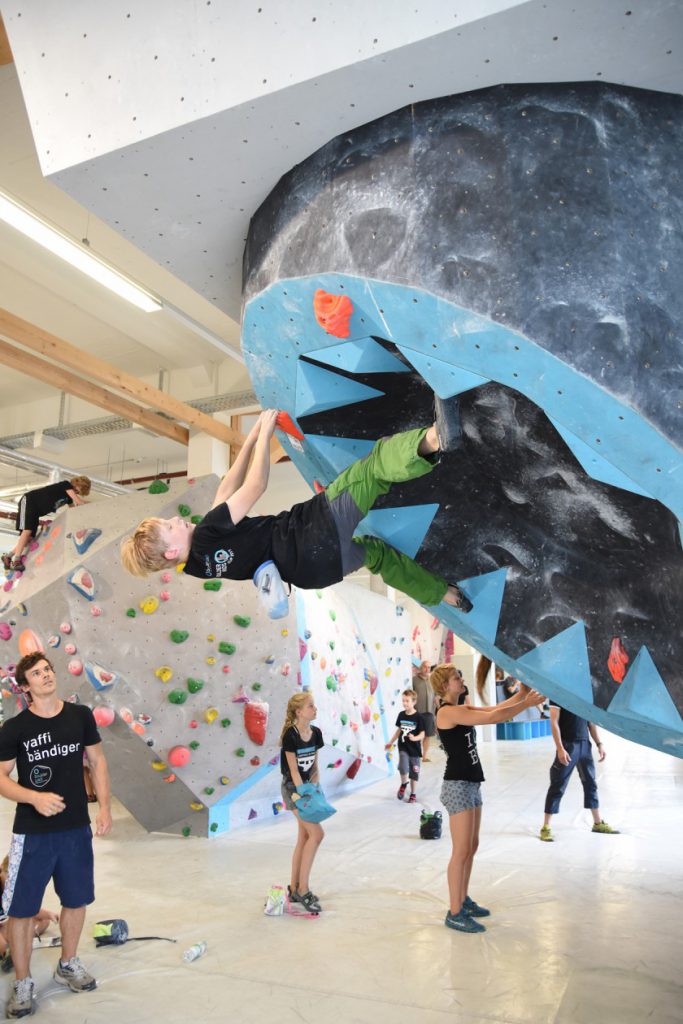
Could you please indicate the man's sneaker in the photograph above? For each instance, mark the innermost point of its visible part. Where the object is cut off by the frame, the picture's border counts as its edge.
(473, 909)
(310, 902)
(602, 826)
(75, 976)
(402, 790)
(22, 1001)
(18, 565)
(457, 598)
(7, 562)
(447, 421)
(412, 799)
(463, 923)
(546, 834)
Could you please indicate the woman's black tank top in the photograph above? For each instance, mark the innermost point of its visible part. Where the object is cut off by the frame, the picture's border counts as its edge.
(460, 744)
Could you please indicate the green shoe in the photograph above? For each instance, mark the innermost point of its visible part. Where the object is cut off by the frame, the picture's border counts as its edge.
(546, 834)
(602, 826)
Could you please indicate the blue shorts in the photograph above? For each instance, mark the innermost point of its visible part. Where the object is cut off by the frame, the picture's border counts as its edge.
(66, 857)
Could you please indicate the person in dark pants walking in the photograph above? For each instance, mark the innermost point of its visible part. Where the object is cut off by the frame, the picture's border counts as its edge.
(572, 737)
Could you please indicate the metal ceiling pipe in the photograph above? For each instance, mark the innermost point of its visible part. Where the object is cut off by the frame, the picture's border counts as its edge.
(21, 461)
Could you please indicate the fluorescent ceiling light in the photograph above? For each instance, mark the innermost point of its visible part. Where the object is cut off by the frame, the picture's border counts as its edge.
(50, 238)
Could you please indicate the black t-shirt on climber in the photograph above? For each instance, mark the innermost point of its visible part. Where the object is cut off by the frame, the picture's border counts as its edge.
(305, 751)
(49, 756)
(303, 542)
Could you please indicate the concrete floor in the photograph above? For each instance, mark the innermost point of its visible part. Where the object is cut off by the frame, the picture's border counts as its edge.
(587, 929)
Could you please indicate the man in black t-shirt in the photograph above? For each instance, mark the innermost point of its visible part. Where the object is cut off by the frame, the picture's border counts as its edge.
(572, 742)
(41, 502)
(51, 837)
(410, 732)
(312, 544)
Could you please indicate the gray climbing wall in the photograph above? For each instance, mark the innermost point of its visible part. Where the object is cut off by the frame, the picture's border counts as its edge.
(519, 250)
(176, 666)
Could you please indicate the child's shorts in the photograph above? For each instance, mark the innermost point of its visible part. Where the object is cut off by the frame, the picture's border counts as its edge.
(459, 795)
(66, 857)
(287, 788)
(409, 766)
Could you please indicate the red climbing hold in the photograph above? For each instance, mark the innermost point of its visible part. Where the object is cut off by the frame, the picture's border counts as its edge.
(256, 720)
(333, 312)
(285, 423)
(352, 770)
(318, 487)
(618, 660)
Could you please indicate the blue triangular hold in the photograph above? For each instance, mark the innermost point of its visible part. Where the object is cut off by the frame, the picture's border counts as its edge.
(643, 694)
(318, 390)
(362, 356)
(564, 660)
(443, 378)
(595, 464)
(402, 527)
(338, 452)
(486, 594)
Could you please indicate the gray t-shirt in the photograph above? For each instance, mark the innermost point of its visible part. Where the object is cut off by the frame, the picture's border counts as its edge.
(425, 695)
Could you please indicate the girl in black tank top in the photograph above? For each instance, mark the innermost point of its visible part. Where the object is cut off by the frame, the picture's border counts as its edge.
(456, 723)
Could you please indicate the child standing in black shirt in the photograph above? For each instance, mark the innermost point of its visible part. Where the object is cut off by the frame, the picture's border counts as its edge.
(410, 731)
(301, 741)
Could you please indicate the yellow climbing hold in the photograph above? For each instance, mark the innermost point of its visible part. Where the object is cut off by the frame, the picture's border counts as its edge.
(210, 715)
(180, 566)
(284, 632)
(159, 766)
(196, 806)
(211, 638)
(375, 717)
(149, 604)
(164, 672)
(210, 660)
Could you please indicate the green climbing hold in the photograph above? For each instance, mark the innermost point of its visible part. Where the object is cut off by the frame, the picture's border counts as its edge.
(196, 519)
(225, 722)
(348, 750)
(343, 719)
(331, 644)
(184, 510)
(213, 826)
(213, 584)
(208, 790)
(241, 620)
(333, 615)
(225, 647)
(177, 697)
(335, 742)
(195, 685)
(331, 684)
(186, 831)
(256, 686)
(179, 636)
(240, 752)
(194, 745)
(131, 613)
(157, 487)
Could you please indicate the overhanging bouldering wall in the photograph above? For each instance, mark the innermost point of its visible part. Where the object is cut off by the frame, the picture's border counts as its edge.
(189, 680)
(520, 248)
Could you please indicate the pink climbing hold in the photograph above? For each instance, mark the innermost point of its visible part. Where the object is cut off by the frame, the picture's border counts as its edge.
(96, 611)
(5, 631)
(193, 724)
(165, 577)
(69, 648)
(75, 666)
(303, 647)
(179, 756)
(365, 714)
(164, 595)
(65, 627)
(104, 716)
(240, 697)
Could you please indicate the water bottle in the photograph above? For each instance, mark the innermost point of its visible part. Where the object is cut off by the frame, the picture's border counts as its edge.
(194, 952)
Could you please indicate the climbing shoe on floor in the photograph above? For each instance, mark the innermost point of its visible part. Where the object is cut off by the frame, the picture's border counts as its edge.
(602, 826)
(463, 923)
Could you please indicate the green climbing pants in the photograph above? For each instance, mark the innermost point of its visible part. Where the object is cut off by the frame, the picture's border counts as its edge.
(354, 492)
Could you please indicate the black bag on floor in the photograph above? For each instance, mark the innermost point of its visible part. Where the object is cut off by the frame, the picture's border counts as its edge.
(430, 825)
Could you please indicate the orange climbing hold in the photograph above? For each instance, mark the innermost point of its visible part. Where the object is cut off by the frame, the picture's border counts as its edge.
(333, 312)
(285, 423)
(617, 660)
